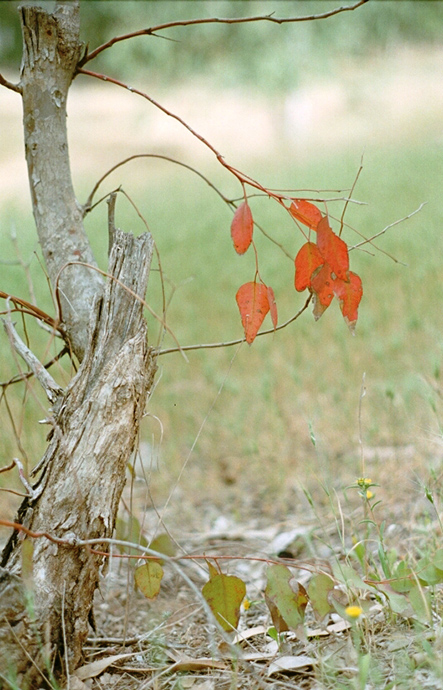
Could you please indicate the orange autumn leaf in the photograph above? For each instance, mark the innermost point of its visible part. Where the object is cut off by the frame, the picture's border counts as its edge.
(306, 261)
(305, 212)
(322, 286)
(333, 249)
(242, 227)
(253, 303)
(349, 293)
(272, 307)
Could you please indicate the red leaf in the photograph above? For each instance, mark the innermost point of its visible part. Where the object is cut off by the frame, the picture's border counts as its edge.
(322, 286)
(349, 294)
(253, 303)
(306, 261)
(272, 307)
(306, 213)
(242, 227)
(333, 249)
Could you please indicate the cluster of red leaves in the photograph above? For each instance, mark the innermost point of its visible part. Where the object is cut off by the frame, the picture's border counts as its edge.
(322, 267)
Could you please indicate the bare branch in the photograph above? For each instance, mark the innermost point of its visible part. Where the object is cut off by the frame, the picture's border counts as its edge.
(125, 287)
(349, 196)
(242, 178)
(154, 30)
(229, 343)
(388, 227)
(28, 374)
(33, 311)
(14, 87)
(51, 388)
(88, 203)
(21, 473)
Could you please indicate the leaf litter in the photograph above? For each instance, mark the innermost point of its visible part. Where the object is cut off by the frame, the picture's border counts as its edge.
(173, 639)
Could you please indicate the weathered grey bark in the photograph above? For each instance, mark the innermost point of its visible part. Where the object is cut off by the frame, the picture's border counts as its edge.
(81, 485)
(96, 420)
(51, 50)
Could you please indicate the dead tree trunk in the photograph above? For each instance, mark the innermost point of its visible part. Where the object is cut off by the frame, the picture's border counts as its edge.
(96, 420)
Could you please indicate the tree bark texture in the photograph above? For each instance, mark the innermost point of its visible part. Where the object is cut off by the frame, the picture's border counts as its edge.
(44, 616)
(84, 468)
(51, 50)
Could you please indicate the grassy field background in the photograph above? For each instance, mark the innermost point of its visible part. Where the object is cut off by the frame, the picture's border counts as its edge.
(256, 442)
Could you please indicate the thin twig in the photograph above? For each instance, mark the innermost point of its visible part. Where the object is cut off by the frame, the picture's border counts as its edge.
(202, 425)
(49, 385)
(88, 202)
(369, 240)
(16, 493)
(305, 198)
(26, 375)
(14, 87)
(360, 431)
(208, 346)
(243, 179)
(21, 473)
(153, 30)
(147, 553)
(4, 397)
(8, 467)
(65, 644)
(125, 287)
(19, 642)
(350, 195)
(388, 227)
(271, 239)
(32, 310)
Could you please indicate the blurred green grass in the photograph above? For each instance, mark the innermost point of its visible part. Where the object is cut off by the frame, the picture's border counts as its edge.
(306, 379)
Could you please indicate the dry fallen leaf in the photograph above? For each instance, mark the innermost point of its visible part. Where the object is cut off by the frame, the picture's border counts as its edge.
(96, 667)
(291, 664)
(251, 632)
(196, 665)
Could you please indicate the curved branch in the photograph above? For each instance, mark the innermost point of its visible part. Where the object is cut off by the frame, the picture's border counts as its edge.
(388, 227)
(125, 287)
(50, 386)
(242, 178)
(88, 202)
(211, 346)
(27, 375)
(33, 311)
(153, 30)
(14, 87)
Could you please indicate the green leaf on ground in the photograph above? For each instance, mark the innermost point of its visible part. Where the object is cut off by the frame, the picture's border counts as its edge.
(148, 578)
(286, 599)
(404, 580)
(318, 590)
(349, 577)
(224, 594)
(420, 599)
(427, 572)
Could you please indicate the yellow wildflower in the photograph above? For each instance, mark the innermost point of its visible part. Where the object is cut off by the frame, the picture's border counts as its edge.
(353, 611)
